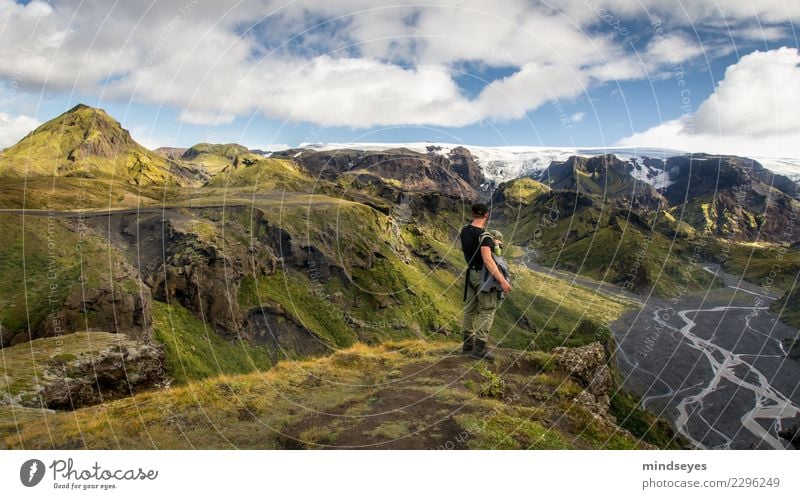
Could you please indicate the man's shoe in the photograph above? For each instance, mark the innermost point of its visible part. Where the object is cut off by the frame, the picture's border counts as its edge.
(481, 352)
(469, 343)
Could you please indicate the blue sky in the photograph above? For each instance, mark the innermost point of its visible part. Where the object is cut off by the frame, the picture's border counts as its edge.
(512, 73)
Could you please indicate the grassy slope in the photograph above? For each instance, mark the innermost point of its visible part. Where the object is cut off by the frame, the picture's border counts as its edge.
(195, 351)
(632, 258)
(262, 175)
(338, 401)
(46, 260)
(768, 265)
(773, 267)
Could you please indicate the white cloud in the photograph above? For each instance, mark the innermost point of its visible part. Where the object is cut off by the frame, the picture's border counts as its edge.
(758, 96)
(577, 117)
(205, 118)
(752, 113)
(272, 147)
(357, 63)
(672, 49)
(13, 128)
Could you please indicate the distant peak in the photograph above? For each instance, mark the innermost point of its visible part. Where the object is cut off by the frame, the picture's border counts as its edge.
(79, 107)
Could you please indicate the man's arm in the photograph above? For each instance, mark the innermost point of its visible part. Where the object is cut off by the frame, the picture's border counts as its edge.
(486, 254)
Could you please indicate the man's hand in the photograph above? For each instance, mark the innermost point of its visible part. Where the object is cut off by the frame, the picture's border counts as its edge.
(505, 285)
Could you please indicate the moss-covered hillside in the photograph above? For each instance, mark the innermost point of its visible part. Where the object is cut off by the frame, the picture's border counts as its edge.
(409, 394)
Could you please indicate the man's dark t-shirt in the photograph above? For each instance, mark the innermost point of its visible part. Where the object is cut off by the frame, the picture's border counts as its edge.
(471, 243)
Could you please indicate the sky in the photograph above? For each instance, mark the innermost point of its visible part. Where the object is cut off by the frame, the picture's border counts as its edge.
(699, 76)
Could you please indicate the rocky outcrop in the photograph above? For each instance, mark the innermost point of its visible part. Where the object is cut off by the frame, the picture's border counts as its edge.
(117, 372)
(200, 279)
(120, 304)
(285, 336)
(465, 166)
(605, 177)
(100, 309)
(81, 369)
(589, 365)
(792, 434)
(182, 263)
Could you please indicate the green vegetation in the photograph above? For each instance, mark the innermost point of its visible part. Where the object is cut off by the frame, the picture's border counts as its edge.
(634, 259)
(523, 191)
(47, 258)
(73, 194)
(643, 424)
(606, 245)
(492, 385)
(772, 266)
(788, 307)
(308, 304)
(262, 174)
(260, 410)
(357, 274)
(555, 311)
(602, 177)
(216, 157)
(502, 431)
(195, 351)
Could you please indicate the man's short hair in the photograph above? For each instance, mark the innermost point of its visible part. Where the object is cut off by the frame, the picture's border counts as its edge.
(480, 209)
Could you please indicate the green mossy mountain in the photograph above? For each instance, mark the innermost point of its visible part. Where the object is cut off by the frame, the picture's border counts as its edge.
(215, 158)
(87, 143)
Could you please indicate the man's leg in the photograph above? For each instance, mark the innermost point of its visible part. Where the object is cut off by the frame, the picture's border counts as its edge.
(487, 304)
(470, 315)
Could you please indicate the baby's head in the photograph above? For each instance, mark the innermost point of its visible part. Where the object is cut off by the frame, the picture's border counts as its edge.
(498, 242)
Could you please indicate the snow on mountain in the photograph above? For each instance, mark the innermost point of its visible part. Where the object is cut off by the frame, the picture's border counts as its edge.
(783, 166)
(503, 163)
(653, 175)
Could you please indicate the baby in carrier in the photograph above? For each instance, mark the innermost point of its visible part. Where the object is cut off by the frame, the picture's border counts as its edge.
(489, 283)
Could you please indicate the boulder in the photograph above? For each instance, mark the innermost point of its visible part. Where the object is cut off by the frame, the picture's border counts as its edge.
(116, 372)
(589, 366)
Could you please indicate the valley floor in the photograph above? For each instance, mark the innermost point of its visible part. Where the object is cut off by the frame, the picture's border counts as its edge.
(714, 364)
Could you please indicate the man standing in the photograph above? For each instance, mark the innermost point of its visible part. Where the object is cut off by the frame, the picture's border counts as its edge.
(477, 245)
